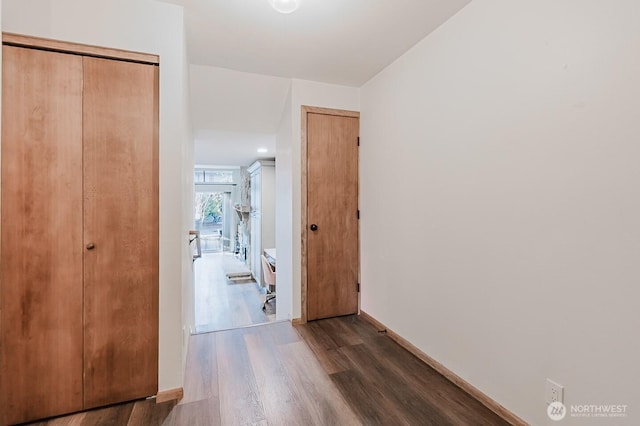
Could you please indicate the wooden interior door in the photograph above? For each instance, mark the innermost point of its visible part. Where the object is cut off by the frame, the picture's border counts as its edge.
(120, 231)
(332, 215)
(41, 249)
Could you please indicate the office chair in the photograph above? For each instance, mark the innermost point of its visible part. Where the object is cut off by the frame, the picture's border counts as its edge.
(269, 279)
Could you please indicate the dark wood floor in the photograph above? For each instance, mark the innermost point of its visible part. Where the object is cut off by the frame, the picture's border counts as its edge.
(339, 371)
(383, 383)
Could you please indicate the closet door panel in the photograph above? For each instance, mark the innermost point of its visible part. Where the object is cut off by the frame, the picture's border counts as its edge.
(41, 234)
(120, 231)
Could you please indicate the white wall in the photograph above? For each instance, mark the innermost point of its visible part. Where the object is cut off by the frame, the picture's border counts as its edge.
(151, 27)
(514, 129)
(307, 93)
(284, 213)
(188, 296)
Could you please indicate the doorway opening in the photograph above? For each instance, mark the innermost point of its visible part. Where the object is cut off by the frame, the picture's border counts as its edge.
(228, 292)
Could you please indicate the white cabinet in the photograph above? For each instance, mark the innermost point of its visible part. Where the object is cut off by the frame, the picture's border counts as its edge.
(263, 213)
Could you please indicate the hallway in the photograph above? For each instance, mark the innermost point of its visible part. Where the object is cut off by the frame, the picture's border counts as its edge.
(339, 371)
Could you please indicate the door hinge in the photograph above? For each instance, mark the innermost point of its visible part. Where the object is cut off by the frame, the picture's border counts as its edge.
(358, 140)
(358, 214)
(358, 287)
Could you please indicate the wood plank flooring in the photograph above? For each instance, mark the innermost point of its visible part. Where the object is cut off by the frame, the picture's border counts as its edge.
(221, 304)
(339, 371)
(385, 384)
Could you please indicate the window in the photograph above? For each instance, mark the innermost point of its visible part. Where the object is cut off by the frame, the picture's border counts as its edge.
(213, 176)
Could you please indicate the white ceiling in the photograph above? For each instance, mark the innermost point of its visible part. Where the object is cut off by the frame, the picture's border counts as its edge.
(335, 41)
(233, 114)
(223, 99)
(220, 148)
(243, 54)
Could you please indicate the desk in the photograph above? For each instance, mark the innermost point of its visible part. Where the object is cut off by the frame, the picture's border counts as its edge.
(270, 254)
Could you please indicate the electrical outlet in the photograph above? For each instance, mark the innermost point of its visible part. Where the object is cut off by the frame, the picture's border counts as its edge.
(553, 392)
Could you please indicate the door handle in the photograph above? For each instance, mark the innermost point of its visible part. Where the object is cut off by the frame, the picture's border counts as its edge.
(313, 227)
(91, 246)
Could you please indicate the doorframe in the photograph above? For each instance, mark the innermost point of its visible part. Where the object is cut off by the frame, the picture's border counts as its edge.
(305, 109)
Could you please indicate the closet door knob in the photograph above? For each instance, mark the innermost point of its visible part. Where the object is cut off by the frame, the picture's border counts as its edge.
(314, 227)
(91, 246)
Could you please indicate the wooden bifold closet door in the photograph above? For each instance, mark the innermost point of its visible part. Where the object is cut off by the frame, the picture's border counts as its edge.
(121, 221)
(41, 251)
(79, 232)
